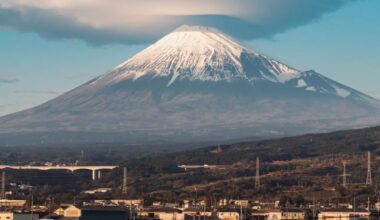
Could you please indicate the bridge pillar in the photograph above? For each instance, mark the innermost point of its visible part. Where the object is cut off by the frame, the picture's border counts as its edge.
(99, 174)
(94, 175)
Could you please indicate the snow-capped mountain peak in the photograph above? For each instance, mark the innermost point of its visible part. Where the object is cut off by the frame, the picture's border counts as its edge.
(200, 53)
(205, 54)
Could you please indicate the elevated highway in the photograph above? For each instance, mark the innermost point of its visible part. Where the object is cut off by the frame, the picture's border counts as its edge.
(95, 169)
(204, 166)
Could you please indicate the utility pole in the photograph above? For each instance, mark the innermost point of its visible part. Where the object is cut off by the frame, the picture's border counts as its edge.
(124, 188)
(369, 171)
(257, 178)
(368, 205)
(3, 185)
(50, 204)
(204, 211)
(344, 176)
(313, 208)
(241, 211)
(196, 198)
(31, 207)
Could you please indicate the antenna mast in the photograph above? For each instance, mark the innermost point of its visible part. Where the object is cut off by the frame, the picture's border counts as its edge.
(257, 178)
(369, 172)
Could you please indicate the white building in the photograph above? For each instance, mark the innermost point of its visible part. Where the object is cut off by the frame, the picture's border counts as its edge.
(98, 190)
(288, 214)
(342, 214)
(225, 214)
(12, 203)
(69, 211)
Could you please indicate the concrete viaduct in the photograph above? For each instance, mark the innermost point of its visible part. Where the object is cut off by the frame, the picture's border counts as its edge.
(96, 170)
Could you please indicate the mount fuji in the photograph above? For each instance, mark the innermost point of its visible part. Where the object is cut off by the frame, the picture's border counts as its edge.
(194, 85)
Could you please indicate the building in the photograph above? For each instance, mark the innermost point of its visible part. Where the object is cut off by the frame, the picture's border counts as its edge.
(197, 213)
(68, 211)
(71, 212)
(343, 214)
(259, 215)
(228, 214)
(220, 214)
(243, 203)
(288, 213)
(12, 203)
(98, 190)
(18, 216)
(162, 213)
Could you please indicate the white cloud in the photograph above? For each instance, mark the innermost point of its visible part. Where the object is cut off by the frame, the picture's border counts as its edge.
(8, 79)
(137, 21)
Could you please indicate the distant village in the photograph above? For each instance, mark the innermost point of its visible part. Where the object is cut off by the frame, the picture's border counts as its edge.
(224, 209)
(189, 209)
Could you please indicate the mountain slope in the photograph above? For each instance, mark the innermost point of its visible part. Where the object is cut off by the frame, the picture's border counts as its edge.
(195, 84)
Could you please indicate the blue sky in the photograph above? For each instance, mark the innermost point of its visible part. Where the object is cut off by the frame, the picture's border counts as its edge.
(342, 44)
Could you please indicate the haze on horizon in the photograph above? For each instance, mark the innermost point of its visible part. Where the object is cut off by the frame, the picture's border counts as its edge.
(49, 47)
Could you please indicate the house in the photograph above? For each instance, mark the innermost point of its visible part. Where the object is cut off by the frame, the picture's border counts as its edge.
(71, 212)
(259, 215)
(196, 213)
(288, 213)
(17, 216)
(12, 203)
(68, 211)
(343, 214)
(162, 213)
(243, 203)
(228, 214)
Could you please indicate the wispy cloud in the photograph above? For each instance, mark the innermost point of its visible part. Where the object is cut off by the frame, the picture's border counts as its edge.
(8, 78)
(81, 76)
(136, 21)
(38, 92)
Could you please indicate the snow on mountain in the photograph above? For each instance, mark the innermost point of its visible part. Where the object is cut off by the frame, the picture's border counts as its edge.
(315, 82)
(198, 53)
